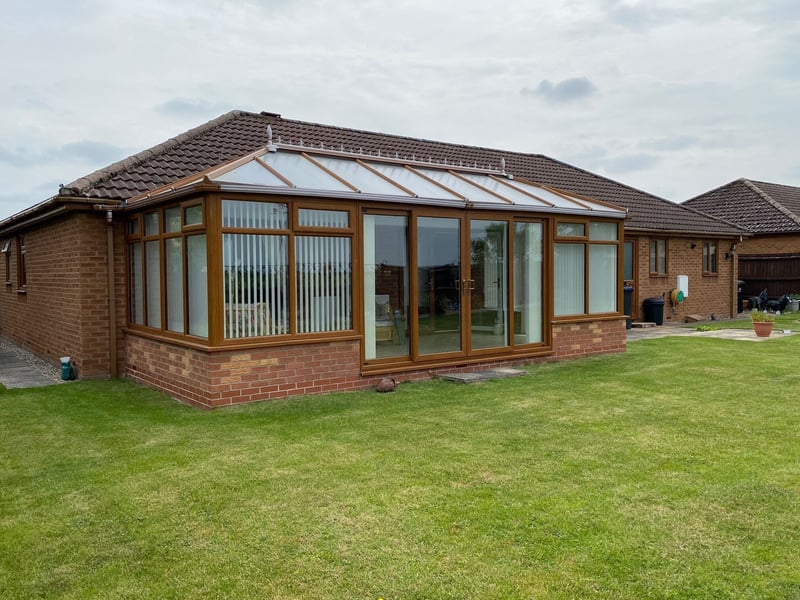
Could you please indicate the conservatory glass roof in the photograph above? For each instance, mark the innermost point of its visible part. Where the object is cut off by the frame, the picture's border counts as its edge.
(316, 172)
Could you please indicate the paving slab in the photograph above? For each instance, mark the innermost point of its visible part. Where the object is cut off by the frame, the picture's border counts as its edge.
(17, 372)
(485, 375)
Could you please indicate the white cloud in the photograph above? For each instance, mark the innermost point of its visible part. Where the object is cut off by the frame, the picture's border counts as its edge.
(674, 98)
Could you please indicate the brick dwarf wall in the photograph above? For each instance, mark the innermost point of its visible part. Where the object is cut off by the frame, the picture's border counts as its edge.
(213, 379)
(708, 294)
(65, 309)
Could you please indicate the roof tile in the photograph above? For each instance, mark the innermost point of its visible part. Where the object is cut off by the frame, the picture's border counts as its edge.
(237, 133)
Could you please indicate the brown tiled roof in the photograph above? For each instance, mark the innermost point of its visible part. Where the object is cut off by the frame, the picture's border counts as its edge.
(237, 133)
(759, 207)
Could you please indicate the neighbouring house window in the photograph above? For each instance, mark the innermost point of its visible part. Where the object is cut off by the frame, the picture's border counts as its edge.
(709, 258)
(7, 260)
(593, 262)
(22, 275)
(658, 257)
(167, 271)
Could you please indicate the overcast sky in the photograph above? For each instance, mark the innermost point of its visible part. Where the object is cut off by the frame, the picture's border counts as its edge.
(674, 97)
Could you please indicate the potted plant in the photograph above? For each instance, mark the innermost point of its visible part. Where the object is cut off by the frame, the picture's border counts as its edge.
(763, 323)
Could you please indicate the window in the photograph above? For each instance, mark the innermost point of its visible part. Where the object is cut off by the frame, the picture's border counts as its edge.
(22, 276)
(167, 271)
(658, 257)
(7, 260)
(578, 263)
(709, 258)
(267, 264)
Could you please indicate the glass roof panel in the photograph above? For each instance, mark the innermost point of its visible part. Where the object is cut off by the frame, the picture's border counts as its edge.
(512, 193)
(547, 195)
(462, 187)
(252, 173)
(302, 172)
(364, 179)
(413, 182)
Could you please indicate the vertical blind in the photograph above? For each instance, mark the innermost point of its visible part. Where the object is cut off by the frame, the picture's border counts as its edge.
(324, 284)
(255, 284)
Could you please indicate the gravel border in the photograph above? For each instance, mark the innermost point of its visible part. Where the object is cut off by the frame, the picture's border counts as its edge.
(48, 370)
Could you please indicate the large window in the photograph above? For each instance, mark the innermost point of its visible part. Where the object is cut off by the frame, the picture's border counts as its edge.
(528, 262)
(709, 258)
(261, 276)
(22, 273)
(167, 271)
(586, 252)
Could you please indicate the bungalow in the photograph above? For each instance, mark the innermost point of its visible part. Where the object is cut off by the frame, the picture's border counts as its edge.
(770, 212)
(257, 257)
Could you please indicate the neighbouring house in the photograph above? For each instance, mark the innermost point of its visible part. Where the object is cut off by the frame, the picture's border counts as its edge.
(257, 257)
(770, 258)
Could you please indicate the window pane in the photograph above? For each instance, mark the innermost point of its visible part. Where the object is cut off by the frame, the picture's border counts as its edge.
(323, 284)
(528, 261)
(255, 285)
(193, 215)
(571, 230)
(174, 249)
(603, 231)
(197, 288)
(569, 279)
(254, 215)
(172, 219)
(151, 224)
(324, 218)
(133, 226)
(153, 278)
(628, 262)
(489, 294)
(602, 278)
(136, 286)
(386, 293)
(662, 256)
(439, 281)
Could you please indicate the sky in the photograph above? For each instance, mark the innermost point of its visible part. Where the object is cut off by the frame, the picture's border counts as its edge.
(672, 97)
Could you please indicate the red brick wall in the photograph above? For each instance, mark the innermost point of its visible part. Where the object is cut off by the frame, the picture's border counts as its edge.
(64, 311)
(770, 244)
(708, 295)
(211, 379)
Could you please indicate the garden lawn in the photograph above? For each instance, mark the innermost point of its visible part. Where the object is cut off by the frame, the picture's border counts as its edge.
(670, 471)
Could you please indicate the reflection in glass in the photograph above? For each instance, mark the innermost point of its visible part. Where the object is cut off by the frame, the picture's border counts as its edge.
(439, 290)
(488, 284)
(386, 277)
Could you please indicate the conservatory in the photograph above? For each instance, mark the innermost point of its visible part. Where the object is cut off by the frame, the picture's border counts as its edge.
(301, 270)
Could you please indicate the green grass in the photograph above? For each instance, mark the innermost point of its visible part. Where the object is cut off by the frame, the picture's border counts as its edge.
(670, 471)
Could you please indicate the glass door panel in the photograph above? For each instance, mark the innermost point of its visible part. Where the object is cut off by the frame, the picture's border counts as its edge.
(438, 285)
(528, 265)
(488, 284)
(386, 279)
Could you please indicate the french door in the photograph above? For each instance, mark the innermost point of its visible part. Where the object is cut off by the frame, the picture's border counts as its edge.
(437, 287)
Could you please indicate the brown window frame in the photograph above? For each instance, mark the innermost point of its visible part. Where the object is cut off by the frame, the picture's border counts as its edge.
(22, 272)
(710, 269)
(6, 251)
(654, 247)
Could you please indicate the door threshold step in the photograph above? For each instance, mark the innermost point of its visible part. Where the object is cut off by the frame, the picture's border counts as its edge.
(486, 375)
(643, 324)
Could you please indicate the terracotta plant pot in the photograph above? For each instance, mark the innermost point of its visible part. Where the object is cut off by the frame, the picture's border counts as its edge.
(763, 328)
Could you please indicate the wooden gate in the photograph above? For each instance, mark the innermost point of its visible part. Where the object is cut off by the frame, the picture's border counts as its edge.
(777, 273)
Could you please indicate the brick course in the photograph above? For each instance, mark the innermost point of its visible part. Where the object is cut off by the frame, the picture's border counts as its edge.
(213, 379)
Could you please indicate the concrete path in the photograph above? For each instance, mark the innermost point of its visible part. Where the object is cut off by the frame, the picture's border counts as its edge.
(728, 334)
(20, 369)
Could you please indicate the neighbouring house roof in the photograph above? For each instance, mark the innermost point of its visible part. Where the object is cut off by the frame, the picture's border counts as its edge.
(238, 133)
(285, 169)
(758, 206)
